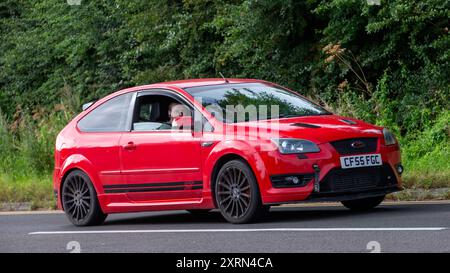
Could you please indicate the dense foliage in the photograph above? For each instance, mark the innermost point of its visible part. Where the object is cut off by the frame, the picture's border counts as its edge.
(388, 64)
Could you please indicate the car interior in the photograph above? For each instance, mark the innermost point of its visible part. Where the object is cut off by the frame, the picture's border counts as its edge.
(152, 113)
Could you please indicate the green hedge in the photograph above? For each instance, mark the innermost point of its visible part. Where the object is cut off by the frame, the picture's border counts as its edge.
(386, 64)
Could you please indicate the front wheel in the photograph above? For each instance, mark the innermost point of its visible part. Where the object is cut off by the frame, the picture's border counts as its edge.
(363, 204)
(237, 193)
(79, 200)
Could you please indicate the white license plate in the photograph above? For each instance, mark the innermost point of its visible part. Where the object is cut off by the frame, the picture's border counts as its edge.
(358, 161)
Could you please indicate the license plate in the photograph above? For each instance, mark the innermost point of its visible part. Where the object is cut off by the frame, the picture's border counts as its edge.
(358, 161)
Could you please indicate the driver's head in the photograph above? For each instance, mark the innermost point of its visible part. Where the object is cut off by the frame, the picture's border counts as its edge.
(177, 110)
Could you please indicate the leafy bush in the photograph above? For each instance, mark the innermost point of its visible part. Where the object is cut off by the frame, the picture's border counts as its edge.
(386, 64)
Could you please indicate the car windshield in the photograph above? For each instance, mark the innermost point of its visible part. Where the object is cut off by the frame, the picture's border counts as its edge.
(240, 102)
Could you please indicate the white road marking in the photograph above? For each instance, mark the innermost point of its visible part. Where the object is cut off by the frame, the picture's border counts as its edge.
(236, 230)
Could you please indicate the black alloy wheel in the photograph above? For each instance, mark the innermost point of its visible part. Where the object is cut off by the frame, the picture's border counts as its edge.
(79, 200)
(237, 193)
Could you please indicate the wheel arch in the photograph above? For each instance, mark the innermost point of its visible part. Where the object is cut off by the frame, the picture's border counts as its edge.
(81, 163)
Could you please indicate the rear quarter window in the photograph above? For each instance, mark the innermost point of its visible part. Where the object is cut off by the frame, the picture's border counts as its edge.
(111, 116)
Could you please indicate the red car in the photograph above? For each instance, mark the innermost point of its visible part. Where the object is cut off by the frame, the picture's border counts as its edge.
(202, 144)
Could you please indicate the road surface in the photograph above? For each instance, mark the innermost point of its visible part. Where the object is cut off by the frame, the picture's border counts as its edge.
(392, 227)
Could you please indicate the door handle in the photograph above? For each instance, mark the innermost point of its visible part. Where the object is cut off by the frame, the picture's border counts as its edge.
(130, 146)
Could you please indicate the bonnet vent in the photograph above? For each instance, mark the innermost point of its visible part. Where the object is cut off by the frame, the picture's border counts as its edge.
(305, 125)
(350, 122)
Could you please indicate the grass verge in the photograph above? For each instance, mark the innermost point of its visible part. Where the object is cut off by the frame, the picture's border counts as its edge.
(35, 192)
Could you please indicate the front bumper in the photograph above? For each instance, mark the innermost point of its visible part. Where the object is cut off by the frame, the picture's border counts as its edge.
(334, 183)
(337, 197)
(342, 185)
(328, 197)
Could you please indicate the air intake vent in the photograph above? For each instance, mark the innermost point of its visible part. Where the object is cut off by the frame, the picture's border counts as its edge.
(360, 179)
(305, 125)
(350, 122)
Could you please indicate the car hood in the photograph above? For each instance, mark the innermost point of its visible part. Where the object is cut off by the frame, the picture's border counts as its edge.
(320, 129)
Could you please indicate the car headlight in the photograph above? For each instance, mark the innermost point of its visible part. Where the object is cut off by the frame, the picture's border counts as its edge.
(295, 146)
(389, 138)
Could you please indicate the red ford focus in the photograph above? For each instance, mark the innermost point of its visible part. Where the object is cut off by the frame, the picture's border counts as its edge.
(237, 145)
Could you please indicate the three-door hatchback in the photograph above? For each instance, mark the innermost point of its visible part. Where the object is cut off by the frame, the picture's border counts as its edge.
(237, 145)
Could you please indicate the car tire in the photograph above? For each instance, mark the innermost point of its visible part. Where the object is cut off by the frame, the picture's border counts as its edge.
(363, 204)
(237, 193)
(79, 200)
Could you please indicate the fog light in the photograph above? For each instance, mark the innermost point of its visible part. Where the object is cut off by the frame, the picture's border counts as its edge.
(292, 179)
(399, 169)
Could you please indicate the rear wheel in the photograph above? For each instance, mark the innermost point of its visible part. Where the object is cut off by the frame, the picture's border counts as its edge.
(79, 200)
(363, 204)
(237, 193)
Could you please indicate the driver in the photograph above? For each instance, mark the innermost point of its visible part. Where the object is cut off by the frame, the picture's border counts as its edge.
(176, 110)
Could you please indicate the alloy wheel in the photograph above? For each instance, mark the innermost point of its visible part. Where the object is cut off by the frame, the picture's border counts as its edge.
(234, 192)
(76, 198)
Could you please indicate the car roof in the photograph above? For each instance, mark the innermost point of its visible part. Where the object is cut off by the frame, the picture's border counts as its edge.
(207, 81)
(181, 84)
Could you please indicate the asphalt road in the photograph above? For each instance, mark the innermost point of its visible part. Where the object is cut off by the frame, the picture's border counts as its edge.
(325, 228)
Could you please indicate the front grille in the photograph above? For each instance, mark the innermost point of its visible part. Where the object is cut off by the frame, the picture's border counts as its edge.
(348, 147)
(359, 179)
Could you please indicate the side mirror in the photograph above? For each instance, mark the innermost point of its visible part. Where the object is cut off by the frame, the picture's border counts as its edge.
(183, 123)
(87, 105)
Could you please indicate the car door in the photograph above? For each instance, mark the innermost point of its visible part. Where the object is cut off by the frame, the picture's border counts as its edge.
(99, 134)
(160, 164)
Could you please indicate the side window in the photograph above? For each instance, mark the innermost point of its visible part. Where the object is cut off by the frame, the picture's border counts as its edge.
(109, 117)
(159, 112)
